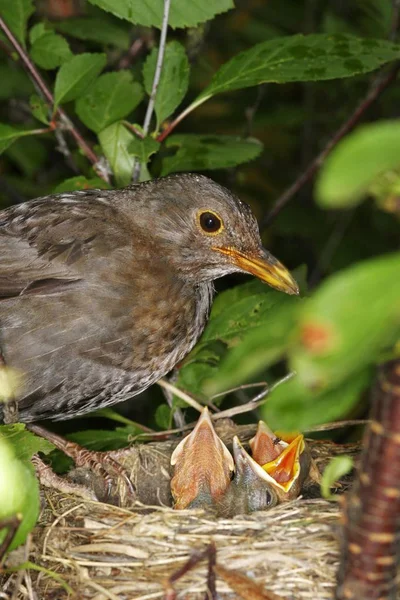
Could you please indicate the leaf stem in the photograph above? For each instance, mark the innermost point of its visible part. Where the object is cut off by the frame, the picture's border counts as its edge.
(156, 81)
(48, 97)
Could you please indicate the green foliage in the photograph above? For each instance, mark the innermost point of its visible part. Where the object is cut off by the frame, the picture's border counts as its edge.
(262, 139)
(301, 58)
(206, 152)
(149, 12)
(111, 98)
(176, 69)
(19, 489)
(16, 15)
(337, 468)
(356, 162)
(9, 134)
(115, 141)
(76, 76)
(49, 50)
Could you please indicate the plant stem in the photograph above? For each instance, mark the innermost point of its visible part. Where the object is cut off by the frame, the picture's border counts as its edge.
(48, 96)
(156, 81)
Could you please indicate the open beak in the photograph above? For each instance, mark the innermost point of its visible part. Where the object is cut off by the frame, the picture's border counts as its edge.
(202, 467)
(266, 445)
(264, 266)
(285, 469)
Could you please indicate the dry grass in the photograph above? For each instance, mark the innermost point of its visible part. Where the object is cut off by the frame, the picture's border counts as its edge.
(104, 552)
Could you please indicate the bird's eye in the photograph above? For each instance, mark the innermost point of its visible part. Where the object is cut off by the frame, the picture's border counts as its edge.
(210, 222)
(268, 498)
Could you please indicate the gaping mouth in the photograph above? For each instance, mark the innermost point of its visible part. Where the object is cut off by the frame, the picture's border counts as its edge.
(264, 266)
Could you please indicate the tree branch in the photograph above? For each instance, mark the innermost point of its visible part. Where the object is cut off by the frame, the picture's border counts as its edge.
(48, 96)
(380, 83)
(156, 81)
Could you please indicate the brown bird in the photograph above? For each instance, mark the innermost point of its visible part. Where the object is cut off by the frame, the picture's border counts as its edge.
(103, 292)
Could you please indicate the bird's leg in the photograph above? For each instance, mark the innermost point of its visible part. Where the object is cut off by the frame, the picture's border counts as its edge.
(197, 556)
(10, 408)
(11, 524)
(100, 463)
(49, 479)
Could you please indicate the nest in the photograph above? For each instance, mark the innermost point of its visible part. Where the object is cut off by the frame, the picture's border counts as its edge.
(104, 552)
(107, 553)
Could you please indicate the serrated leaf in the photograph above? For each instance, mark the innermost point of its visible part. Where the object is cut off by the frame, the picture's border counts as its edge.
(104, 30)
(39, 108)
(348, 321)
(356, 161)
(204, 152)
(76, 76)
(112, 97)
(293, 406)
(16, 14)
(175, 69)
(81, 183)
(50, 50)
(143, 149)
(9, 134)
(149, 12)
(36, 32)
(115, 141)
(315, 57)
(25, 444)
(335, 470)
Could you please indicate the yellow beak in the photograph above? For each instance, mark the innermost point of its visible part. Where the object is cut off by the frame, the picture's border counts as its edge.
(264, 266)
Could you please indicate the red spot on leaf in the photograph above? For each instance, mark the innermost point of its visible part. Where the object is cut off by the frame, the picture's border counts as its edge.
(316, 338)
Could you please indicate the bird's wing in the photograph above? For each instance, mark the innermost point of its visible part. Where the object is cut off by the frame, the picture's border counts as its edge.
(48, 244)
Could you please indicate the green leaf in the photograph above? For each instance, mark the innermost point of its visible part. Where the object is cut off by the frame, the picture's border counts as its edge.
(14, 82)
(104, 30)
(237, 315)
(337, 468)
(259, 348)
(143, 149)
(39, 108)
(175, 69)
(202, 152)
(81, 183)
(349, 320)
(50, 50)
(293, 406)
(315, 57)
(115, 141)
(9, 134)
(112, 97)
(16, 14)
(24, 443)
(356, 162)
(149, 12)
(76, 76)
(163, 416)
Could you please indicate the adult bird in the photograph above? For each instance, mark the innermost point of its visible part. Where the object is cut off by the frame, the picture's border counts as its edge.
(103, 292)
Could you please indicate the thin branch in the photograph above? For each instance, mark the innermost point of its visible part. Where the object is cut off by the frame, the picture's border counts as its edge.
(379, 84)
(156, 81)
(182, 395)
(48, 96)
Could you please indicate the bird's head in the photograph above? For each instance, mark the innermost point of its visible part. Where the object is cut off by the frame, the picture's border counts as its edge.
(208, 232)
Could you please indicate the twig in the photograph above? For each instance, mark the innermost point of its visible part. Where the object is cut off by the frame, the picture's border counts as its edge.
(48, 96)
(380, 83)
(182, 395)
(156, 81)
